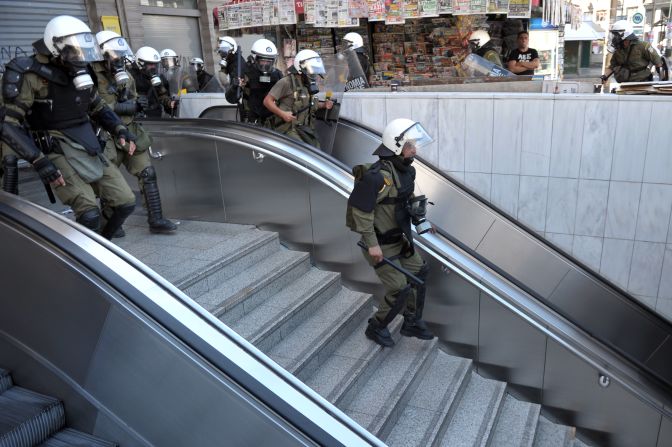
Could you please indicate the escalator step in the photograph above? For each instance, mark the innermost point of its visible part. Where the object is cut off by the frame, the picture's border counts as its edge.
(73, 438)
(5, 380)
(28, 418)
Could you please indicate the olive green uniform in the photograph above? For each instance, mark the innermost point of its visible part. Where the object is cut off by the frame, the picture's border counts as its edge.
(82, 172)
(632, 64)
(493, 56)
(381, 221)
(291, 95)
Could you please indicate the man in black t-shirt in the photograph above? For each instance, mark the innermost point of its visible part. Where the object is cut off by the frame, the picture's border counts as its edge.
(523, 60)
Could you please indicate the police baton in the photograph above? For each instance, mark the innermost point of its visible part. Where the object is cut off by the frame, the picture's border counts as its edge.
(414, 279)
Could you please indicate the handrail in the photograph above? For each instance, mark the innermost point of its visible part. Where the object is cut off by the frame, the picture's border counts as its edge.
(324, 168)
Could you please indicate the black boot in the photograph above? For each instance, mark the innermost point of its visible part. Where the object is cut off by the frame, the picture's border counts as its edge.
(377, 332)
(107, 212)
(114, 222)
(150, 189)
(415, 327)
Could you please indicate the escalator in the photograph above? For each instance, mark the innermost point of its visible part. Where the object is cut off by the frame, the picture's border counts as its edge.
(227, 172)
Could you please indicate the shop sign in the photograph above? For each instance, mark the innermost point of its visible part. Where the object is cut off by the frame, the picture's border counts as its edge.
(637, 18)
(298, 6)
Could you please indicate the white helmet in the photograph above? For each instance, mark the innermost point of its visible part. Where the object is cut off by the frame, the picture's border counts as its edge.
(226, 45)
(113, 46)
(148, 60)
(264, 53)
(622, 28)
(354, 40)
(479, 38)
(197, 63)
(400, 131)
(71, 39)
(308, 62)
(168, 58)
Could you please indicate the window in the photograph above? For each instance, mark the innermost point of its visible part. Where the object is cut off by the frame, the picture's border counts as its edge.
(183, 4)
(601, 16)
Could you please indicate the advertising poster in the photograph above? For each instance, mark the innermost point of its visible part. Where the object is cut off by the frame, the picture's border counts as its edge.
(498, 6)
(394, 12)
(376, 10)
(428, 8)
(519, 9)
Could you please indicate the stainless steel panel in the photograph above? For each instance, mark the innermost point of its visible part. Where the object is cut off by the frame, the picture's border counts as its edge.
(510, 349)
(188, 177)
(593, 307)
(220, 113)
(661, 360)
(269, 194)
(143, 376)
(612, 414)
(510, 250)
(41, 289)
(665, 436)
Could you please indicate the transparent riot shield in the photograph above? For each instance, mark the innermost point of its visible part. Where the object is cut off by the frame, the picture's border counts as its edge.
(189, 79)
(217, 84)
(475, 66)
(331, 86)
(357, 78)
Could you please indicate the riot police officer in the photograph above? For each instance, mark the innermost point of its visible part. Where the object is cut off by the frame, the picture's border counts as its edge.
(260, 75)
(118, 91)
(151, 85)
(230, 54)
(481, 45)
(202, 76)
(381, 208)
(52, 93)
(292, 99)
(632, 58)
(356, 79)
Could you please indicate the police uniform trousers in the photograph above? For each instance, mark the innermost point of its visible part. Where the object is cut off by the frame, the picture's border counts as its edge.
(393, 280)
(81, 196)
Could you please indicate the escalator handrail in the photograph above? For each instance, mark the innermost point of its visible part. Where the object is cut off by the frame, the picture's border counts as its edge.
(647, 386)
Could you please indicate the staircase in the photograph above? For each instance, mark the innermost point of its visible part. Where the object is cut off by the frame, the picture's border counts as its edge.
(414, 394)
(31, 419)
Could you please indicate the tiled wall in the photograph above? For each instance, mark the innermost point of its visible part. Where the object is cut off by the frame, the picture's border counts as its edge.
(591, 173)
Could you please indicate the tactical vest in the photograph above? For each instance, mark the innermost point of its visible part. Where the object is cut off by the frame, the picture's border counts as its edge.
(302, 106)
(256, 91)
(145, 88)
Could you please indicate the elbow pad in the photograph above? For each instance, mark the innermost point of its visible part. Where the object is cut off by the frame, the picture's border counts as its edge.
(21, 143)
(107, 119)
(126, 108)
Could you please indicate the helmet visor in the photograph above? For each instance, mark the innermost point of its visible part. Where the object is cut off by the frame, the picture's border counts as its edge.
(168, 62)
(78, 48)
(115, 49)
(224, 49)
(265, 64)
(417, 135)
(313, 66)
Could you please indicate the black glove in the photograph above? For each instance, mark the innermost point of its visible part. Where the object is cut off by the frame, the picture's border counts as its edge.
(141, 103)
(46, 170)
(604, 78)
(126, 134)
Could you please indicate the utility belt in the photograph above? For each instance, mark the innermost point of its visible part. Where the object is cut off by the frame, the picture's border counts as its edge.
(45, 142)
(392, 236)
(393, 200)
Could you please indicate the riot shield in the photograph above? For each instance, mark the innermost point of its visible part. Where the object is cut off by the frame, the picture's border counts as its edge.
(357, 77)
(476, 66)
(189, 79)
(217, 84)
(331, 86)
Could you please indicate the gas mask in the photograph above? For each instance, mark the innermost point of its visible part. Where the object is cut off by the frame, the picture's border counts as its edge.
(264, 65)
(151, 71)
(417, 208)
(75, 52)
(617, 39)
(80, 75)
(313, 88)
(473, 45)
(118, 68)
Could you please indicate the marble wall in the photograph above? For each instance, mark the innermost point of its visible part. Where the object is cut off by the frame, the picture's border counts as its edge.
(590, 173)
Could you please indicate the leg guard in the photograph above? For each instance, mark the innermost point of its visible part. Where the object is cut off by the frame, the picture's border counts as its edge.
(114, 222)
(420, 291)
(10, 179)
(414, 325)
(396, 307)
(90, 219)
(150, 189)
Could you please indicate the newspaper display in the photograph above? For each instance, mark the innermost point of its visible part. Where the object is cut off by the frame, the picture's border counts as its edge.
(498, 6)
(519, 9)
(332, 13)
(427, 8)
(286, 11)
(461, 7)
(358, 8)
(394, 12)
(478, 6)
(309, 11)
(376, 10)
(237, 14)
(320, 13)
(411, 9)
(444, 6)
(344, 17)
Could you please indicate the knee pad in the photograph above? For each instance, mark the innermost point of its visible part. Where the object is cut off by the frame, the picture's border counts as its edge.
(90, 219)
(148, 174)
(123, 211)
(10, 174)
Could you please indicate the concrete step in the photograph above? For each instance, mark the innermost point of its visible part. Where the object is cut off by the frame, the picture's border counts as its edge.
(73, 438)
(303, 350)
(517, 423)
(281, 313)
(341, 369)
(377, 399)
(28, 418)
(430, 410)
(5, 380)
(551, 434)
(241, 293)
(476, 413)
